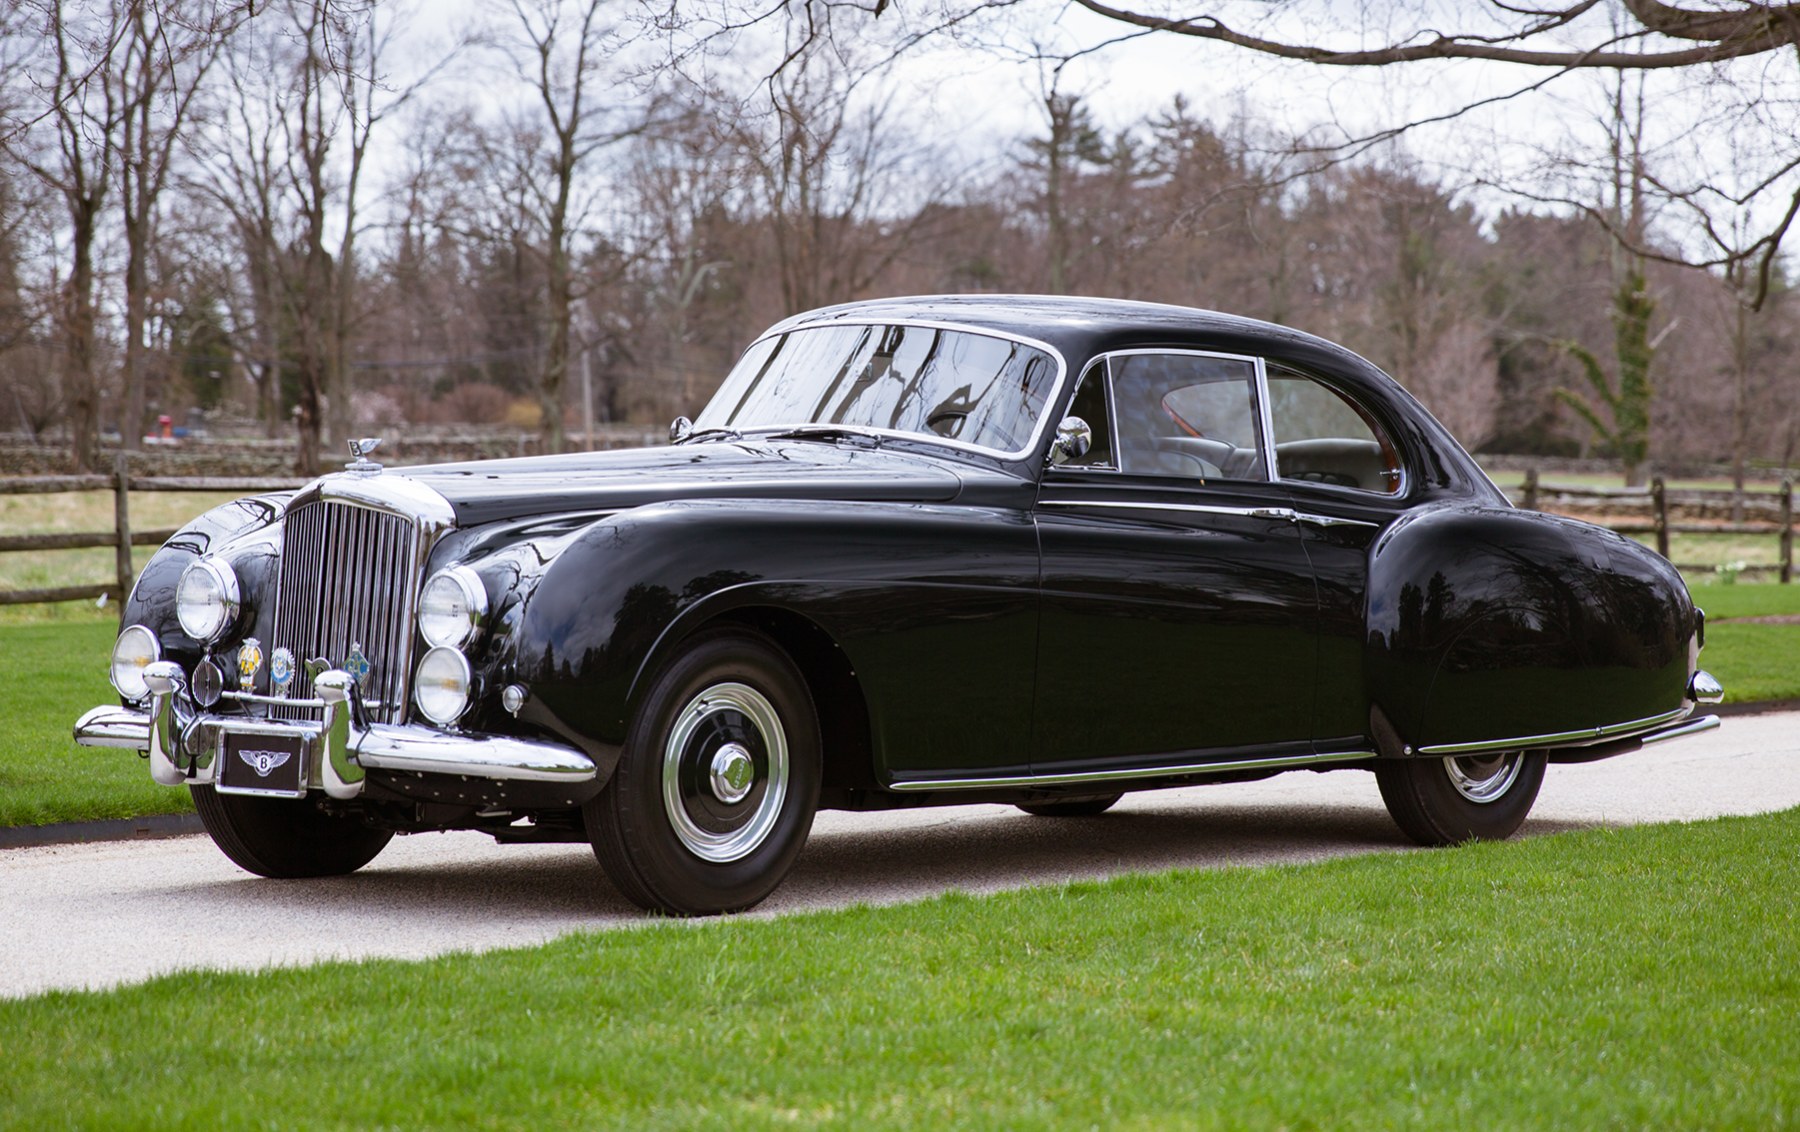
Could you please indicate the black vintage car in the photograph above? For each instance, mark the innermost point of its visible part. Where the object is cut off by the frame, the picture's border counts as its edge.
(1037, 551)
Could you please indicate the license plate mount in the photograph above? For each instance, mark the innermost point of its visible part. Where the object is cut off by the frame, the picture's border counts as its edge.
(269, 762)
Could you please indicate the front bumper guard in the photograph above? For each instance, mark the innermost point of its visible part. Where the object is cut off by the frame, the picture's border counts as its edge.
(183, 743)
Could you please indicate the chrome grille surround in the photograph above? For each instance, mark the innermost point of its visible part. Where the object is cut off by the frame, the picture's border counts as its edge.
(353, 553)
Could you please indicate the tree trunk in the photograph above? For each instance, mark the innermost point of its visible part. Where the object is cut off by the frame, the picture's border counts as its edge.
(79, 383)
(556, 351)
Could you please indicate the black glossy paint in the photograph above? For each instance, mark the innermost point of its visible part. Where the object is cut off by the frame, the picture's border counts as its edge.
(965, 615)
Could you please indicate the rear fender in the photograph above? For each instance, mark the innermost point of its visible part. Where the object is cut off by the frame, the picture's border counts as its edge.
(1490, 624)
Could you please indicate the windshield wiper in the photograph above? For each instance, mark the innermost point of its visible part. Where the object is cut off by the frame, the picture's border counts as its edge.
(825, 432)
(711, 434)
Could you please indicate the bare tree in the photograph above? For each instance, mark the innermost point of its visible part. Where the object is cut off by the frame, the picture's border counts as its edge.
(156, 71)
(74, 156)
(1536, 44)
(844, 190)
(569, 55)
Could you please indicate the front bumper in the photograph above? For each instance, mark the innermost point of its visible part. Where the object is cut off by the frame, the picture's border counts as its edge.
(183, 742)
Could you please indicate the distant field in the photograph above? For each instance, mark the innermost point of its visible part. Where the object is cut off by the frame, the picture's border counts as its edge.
(72, 511)
(1513, 482)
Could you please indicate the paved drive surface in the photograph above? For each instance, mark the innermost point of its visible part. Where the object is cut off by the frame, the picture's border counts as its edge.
(101, 914)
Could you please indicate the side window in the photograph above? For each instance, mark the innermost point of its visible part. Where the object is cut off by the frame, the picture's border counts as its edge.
(1186, 415)
(1321, 436)
(1090, 405)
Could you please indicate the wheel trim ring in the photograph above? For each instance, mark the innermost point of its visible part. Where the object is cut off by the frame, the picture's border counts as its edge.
(1482, 780)
(733, 845)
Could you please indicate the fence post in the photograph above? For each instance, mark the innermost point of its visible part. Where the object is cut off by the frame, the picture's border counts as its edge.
(1660, 500)
(122, 527)
(1787, 531)
(1531, 489)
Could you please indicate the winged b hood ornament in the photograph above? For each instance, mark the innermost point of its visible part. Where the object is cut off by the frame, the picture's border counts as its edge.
(362, 465)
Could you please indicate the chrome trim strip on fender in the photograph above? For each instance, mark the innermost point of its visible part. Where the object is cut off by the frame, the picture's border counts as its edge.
(1194, 508)
(1098, 776)
(1283, 514)
(1331, 520)
(1681, 730)
(1558, 739)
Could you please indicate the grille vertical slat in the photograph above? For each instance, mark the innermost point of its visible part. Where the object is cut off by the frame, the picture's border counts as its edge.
(348, 575)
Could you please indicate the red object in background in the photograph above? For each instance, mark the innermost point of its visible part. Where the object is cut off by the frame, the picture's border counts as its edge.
(165, 427)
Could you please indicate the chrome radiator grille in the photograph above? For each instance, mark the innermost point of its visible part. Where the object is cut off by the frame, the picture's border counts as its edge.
(349, 579)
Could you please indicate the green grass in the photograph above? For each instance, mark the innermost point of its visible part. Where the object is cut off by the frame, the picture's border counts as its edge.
(1740, 599)
(49, 675)
(1754, 662)
(1633, 978)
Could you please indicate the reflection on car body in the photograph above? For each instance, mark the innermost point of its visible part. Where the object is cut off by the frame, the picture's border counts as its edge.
(1039, 551)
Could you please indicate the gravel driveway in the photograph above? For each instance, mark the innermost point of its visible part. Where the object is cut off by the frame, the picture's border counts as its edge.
(101, 914)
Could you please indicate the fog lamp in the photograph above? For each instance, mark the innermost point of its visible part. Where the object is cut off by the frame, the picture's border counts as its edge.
(441, 685)
(135, 650)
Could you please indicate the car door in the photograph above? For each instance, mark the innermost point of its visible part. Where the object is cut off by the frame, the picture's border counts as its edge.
(1348, 482)
(1179, 614)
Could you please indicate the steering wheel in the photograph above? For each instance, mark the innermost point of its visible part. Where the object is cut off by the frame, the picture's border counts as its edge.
(1213, 456)
(946, 416)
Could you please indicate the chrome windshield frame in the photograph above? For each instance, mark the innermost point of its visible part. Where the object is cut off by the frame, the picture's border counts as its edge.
(1039, 427)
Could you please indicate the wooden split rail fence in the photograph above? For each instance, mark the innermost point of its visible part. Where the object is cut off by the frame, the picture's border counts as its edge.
(1660, 510)
(1663, 511)
(122, 537)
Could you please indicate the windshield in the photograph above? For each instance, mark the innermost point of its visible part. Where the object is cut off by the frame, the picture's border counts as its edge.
(951, 385)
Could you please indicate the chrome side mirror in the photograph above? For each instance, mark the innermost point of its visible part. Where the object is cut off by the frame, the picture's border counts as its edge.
(1074, 437)
(680, 429)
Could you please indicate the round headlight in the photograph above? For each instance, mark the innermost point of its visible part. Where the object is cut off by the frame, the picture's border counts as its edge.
(206, 600)
(441, 685)
(135, 651)
(452, 605)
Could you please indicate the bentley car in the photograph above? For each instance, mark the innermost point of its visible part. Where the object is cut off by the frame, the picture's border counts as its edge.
(1020, 550)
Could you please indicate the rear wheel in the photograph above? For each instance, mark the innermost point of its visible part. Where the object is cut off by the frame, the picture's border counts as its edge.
(286, 837)
(714, 794)
(1446, 801)
(1073, 807)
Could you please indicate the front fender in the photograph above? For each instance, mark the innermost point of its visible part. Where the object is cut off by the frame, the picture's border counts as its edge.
(896, 585)
(230, 530)
(1488, 624)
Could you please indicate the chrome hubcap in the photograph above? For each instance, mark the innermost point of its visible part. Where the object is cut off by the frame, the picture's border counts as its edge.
(725, 772)
(1483, 778)
(733, 773)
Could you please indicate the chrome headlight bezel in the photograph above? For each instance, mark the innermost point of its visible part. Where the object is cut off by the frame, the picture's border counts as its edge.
(126, 670)
(208, 614)
(459, 607)
(443, 685)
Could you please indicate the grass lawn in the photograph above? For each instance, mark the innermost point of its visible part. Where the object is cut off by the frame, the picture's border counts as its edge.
(1616, 978)
(49, 674)
(1754, 662)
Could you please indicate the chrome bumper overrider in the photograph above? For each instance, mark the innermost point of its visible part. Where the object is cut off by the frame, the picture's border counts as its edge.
(183, 742)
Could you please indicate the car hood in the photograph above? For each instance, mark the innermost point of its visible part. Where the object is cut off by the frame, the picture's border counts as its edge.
(489, 490)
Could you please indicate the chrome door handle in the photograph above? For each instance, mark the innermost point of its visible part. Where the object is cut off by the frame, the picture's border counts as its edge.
(1273, 513)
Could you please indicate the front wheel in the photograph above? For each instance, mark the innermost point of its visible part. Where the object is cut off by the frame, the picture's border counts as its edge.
(714, 794)
(286, 837)
(1446, 801)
